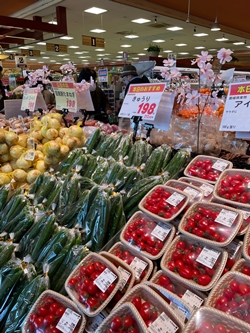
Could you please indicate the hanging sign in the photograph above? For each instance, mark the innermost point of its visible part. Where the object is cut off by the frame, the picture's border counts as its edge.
(236, 115)
(56, 48)
(103, 75)
(92, 41)
(20, 61)
(142, 100)
(31, 53)
(65, 95)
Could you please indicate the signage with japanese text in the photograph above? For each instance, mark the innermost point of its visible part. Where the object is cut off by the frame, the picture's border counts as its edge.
(103, 75)
(29, 99)
(65, 95)
(92, 41)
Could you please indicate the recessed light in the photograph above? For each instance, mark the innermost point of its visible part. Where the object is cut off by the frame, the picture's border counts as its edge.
(141, 21)
(66, 59)
(118, 56)
(141, 54)
(145, 48)
(62, 55)
(168, 51)
(52, 60)
(42, 52)
(131, 36)
(221, 39)
(32, 59)
(181, 44)
(41, 43)
(82, 57)
(238, 43)
(45, 57)
(99, 50)
(199, 47)
(248, 46)
(52, 22)
(84, 60)
(67, 37)
(135, 58)
(120, 51)
(158, 41)
(174, 28)
(100, 55)
(159, 56)
(95, 10)
(73, 47)
(10, 51)
(212, 49)
(183, 53)
(58, 63)
(126, 45)
(81, 52)
(201, 34)
(98, 31)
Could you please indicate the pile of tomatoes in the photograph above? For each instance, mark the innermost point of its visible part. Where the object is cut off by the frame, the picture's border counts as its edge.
(235, 187)
(122, 324)
(47, 316)
(148, 311)
(203, 168)
(84, 285)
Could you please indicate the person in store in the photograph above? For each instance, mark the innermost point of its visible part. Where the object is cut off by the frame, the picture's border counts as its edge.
(2, 91)
(99, 99)
(130, 76)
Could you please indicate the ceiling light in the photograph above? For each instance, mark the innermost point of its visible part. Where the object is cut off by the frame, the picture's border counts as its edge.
(52, 22)
(212, 49)
(62, 55)
(159, 56)
(58, 63)
(183, 53)
(32, 59)
(120, 51)
(118, 56)
(107, 54)
(221, 39)
(42, 52)
(82, 57)
(199, 47)
(181, 44)
(26, 47)
(135, 58)
(52, 60)
(248, 46)
(215, 26)
(100, 55)
(168, 51)
(81, 52)
(126, 45)
(41, 62)
(145, 48)
(66, 59)
(2, 54)
(10, 51)
(99, 50)
(105, 58)
(201, 34)
(41, 43)
(238, 43)
(98, 31)
(84, 60)
(73, 47)
(95, 10)
(131, 36)
(174, 28)
(67, 37)
(45, 57)
(158, 41)
(141, 21)
(141, 54)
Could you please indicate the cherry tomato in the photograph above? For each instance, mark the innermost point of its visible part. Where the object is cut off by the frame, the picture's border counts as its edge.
(137, 301)
(116, 323)
(43, 311)
(163, 280)
(204, 279)
(49, 319)
(128, 321)
(220, 328)
(53, 307)
(234, 285)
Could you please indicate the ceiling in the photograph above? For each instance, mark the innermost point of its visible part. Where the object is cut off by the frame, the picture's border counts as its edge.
(232, 17)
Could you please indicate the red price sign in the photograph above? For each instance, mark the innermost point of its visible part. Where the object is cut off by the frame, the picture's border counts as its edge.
(146, 108)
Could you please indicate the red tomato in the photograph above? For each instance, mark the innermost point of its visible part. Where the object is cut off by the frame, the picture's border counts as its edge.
(116, 323)
(53, 307)
(244, 289)
(128, 321)
(43, 311)
(137, 301)
(60, 311)
(163, 280)
(92, 303)
(206, 327)
(221, 301)
(219, 328)
(245, 270)
(234, 285)
(49, 319)
(204, 279)
(186, 272)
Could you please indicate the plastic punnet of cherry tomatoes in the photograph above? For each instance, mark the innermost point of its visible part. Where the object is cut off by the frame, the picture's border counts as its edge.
(47, 316)
(206, 167)
(164, 202)
(123, 324)
(207, 188)
(242, 266)
(234, 186)
(234, 252)
(212, 221)
(146, 235)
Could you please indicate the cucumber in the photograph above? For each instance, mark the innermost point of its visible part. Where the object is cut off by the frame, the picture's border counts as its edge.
(100, 171)
(15, 205)
(113, 144)
(104, 146)
(22, 227)
(177, 163)
(140, 152)
(167, 155)
(92, 141)
(116, 216)
(45, 189)
(123, 148)
(6, 252)
(36, 185)
(99, 143)
(154, 162)
(90, 168)
(4, 192)
(54, 195)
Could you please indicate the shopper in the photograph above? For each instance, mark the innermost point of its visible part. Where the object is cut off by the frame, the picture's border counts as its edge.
(130, 76)
(99, 99)
(2, 91)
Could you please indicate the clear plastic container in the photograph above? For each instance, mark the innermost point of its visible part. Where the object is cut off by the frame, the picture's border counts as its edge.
(203, 185)
(242, 266)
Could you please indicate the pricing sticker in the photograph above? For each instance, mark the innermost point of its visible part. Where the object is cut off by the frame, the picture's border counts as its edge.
(125, 276)
(160, 231)
(105, 279)
(68, 321)
(191, 191)
(192, 299)
(163, 324)
(175, 198)
(207, 189)
(181, 312)
(31, 143)
(30, 156)
(94, 322)
(138, 266)
(246, 215)
(220, 165)
(226, 217)
(208, 257)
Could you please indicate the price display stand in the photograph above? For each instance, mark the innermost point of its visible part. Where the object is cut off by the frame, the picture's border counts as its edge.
(149, 128)
(27, 111)
(136, 121)
(65, 112)
(84, 112)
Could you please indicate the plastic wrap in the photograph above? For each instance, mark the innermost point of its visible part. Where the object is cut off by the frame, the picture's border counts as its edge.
(6, 251)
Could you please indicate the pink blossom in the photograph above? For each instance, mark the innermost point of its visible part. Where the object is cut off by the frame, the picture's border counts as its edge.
(169, 62)
(192, 97)
(68, 68)
(201, 59)
(175, 73)
(224, 55)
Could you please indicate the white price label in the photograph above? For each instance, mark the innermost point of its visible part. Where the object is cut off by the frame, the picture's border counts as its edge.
(105, 279)
(246, 215)
(191, 191)
(138, 266)
(160, 231)
(208, 257)
(175, 198)
(163, 324)
(192, 299)
(182, 313)
(31, 143)
(220, 165)
(226, 217)
(207, 189)
(94, 322)
(30, 156)
(68, 321)
(125, 276)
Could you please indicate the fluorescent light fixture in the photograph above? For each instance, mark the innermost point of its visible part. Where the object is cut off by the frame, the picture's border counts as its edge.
(120, 51)
(81, 57)
(174, 28)
(221, 39)
(248, 46)
(41, 62)
(52, 22)
(201, 34)
(99, 50)
(100, 55)
(32, 59)
(107, 54)
(126, 45)
(105, 58)
(84, 60)
(238, 43)
(141, 21)
(141, 54)
(212, 49)
(46, 57)
(118, 56)
(181, 44)
(183, 53)
(215, 26)
(81, 52)
(41, 43)
(168, 51)
(26, 47)
(135, 58)
(62, 55)
(159, 56)
(131, 36)
(58, 63)
(67, 37)
(158, 41)
(66, 59)
(52, 60)
(200, 47)
(95, 10)
(42, 52)
(145, 48)
(98, 31)
(10, 51)
(73, 47)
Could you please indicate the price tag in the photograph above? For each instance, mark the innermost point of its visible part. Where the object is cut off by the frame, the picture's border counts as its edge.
(191, 191)
(207, 189)
(65, 95)
(138, 266)
(160, 231)
(68, 321)
(182, 313)
(192, 299)
(30, 156)
(94, 322)
(125, 276)
(208, 257)
(163, 324)
(31, 143)
(175, 198)
(220, 165)
(226, 217)
(105, 279)
(29, 99)
(245, 214)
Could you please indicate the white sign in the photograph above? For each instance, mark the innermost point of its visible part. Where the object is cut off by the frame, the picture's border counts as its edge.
(220, 165)
(125, 277)
(103, 75)
(105, 279)
(191, 191)
(65, 95)
(226, 217)
(236, 115)
(138, 266)
(68, 321)
(20, 61)
(94, 322)
(192, 299)
(29, 99)
(208, 257)
(142, 100)
(161, 231)
(207, 189)
(175, 198)
(163, 324)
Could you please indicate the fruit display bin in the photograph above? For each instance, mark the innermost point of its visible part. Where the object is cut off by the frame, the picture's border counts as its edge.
(75, 318)
(208, 168)
(232, 286)
(246, 245)
(233, 187)
(142, 266)
(173, 284)
(165, 203)
(241, 266)
(212, 223)
(107, 276)
(206, 187)
(147, 235)
(158, 307)
(200, 256)
(123, 311)
(207, 319)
